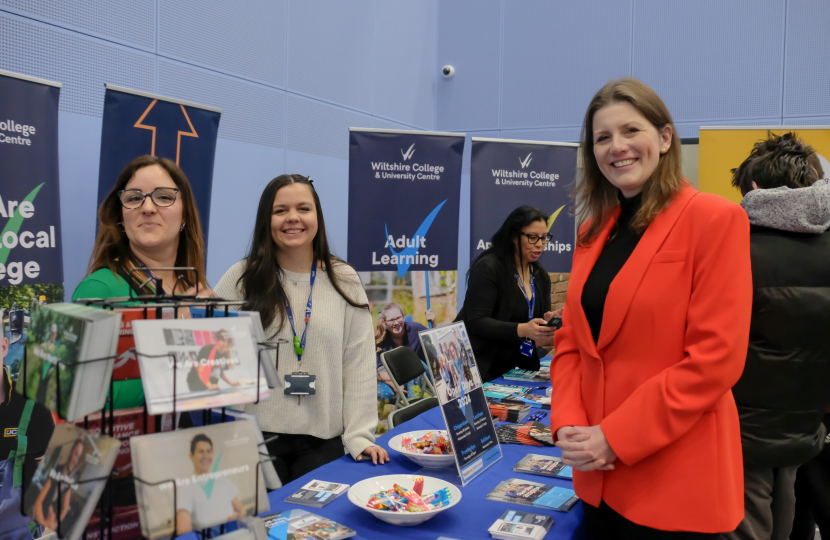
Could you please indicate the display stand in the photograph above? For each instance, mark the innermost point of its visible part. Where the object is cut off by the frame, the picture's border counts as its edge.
(157, 302)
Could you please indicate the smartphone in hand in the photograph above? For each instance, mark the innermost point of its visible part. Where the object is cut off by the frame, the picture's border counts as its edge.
(555, 322)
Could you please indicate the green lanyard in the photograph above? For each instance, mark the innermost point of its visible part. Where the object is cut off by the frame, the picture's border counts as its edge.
(22, 443)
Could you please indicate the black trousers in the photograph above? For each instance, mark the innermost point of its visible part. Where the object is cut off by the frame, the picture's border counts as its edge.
(604, 523)
(812, 495)
(300, 454)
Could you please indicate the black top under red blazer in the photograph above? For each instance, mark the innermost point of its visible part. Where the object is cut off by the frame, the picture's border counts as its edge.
(493, 309)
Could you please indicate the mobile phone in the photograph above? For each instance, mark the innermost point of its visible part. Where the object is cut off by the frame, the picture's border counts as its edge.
(555, 322)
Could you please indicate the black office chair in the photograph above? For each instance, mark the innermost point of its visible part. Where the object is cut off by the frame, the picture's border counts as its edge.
(403, 366)
(399, 416)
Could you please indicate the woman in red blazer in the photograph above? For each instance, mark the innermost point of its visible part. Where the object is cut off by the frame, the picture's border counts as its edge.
(655, 333)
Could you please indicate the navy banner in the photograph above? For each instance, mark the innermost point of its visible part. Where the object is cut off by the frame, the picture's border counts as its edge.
(137, 123)
(30, 242)
(404, 194)
(506, 174)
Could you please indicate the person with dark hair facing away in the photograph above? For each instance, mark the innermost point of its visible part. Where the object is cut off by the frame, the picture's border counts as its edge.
(148, 220)
(315, 304)
(507, 303)
(197, 506)
(654, 333)
(783, 392)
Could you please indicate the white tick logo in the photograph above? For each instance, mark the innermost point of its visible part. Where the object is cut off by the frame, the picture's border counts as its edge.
(526, 161)
(408, 154)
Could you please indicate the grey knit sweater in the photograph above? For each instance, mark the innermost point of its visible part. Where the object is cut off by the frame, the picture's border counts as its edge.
(340, 352)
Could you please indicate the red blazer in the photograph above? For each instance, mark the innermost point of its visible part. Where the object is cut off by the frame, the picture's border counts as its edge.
(673, 343)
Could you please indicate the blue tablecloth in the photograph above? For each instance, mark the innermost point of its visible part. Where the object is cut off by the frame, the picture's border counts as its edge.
(467, 520)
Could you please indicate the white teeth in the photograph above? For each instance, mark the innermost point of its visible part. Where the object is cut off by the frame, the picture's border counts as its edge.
(624, 162)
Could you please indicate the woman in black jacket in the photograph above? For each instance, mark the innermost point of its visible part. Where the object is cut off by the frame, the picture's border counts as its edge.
(507, 304)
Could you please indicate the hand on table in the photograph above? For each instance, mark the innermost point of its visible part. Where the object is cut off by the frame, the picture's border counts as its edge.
(378, 455)
(585, 448)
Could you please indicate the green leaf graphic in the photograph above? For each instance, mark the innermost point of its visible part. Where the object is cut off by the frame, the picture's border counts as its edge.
(14, 224)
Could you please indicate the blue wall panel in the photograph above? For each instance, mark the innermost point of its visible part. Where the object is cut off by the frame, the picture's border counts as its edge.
(330, 51)
(331, 181)
(814, 121)
(692, 129)
(242, 38)
(710, 59)
(570, 134)
(82, 64)
(404, 62)
(557, 55)
(469, 40)
(807, 66)
(79, 149)
(250, 112)
(242, 170)
(132, 22)
(318, 128)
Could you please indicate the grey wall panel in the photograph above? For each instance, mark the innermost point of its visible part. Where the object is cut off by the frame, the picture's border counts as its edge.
(469, 40)
(82, 64)
(382, 123)
(691, 130)
(405, 72)
(807, 66)
(250, 112)
(318, 128)
(132, 22)
(710, 59)
(330, 51)
(557, 55)
(243, 38)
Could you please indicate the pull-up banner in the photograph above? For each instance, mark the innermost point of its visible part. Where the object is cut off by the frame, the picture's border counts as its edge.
(30, 219)
(404, 195)
(506, 174)
(137, 123)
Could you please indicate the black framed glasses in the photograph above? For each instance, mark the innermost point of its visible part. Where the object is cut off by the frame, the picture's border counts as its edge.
(534, 238)
(161, 196)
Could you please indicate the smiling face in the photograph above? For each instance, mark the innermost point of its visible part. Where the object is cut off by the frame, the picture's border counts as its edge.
(294, 218)
(394, 321)
(150, 227)
(532, 252)
(202, 457)
(627, 146)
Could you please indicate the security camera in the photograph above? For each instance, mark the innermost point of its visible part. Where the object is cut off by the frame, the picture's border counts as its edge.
(448, 72)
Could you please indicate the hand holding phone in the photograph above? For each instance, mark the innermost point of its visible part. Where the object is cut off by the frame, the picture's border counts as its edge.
(555, 322)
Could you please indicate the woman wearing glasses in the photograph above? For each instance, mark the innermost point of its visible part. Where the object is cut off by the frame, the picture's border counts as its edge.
(149, 220)
(508, 297)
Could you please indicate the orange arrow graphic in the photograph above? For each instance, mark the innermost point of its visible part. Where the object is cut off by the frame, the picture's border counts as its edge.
(191, 133)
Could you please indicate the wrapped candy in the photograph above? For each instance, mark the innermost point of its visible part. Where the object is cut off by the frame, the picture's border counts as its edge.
(415, 502)
(400, 499)
(430, 443)
(419, 485)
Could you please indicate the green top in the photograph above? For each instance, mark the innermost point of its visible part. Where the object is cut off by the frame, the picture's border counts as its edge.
(104, 284)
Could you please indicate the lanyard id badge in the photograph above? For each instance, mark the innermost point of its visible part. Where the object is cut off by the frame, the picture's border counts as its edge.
(526, 347)
(301, 383)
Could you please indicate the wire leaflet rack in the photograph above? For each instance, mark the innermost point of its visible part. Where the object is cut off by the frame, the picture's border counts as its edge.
(158, 303)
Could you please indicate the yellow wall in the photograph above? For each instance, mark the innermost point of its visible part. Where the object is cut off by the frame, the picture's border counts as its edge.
(722, 150)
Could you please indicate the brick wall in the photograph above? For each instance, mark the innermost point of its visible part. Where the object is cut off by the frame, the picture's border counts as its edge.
(558, 288)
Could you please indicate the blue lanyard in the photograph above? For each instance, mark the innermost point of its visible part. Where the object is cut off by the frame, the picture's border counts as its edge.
(531, 304)
(299, 343)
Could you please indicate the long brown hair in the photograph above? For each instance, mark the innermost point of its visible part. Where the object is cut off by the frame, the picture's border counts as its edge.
(261, 285)
(595, 196)
(112, 248)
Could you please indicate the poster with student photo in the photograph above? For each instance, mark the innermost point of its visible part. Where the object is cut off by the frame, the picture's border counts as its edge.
(461, 397)
(215, 363)
(65, 489)
(215, 472)
(399, 312)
